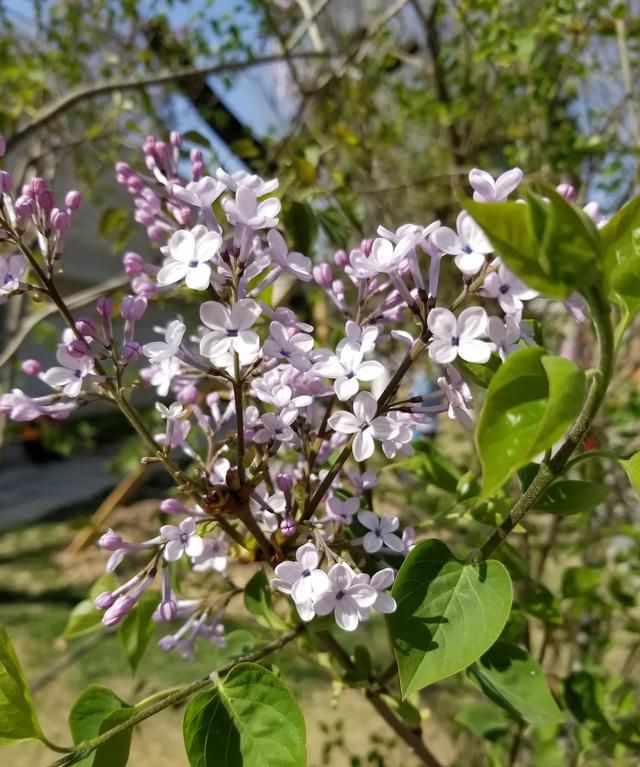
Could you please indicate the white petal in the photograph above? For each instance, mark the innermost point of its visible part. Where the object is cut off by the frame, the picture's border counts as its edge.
(173, 551)
(385, 603)
(392, 542)
(325, 603)
(442, 352)
(446, 239)
(474, 351)
(482, 182)
(363, 445)
(507, 182)
(319, 581)
(172, 272)
(182, 245)
(362, 595)
(470, 263)
(214, 344)
(214, 315)
(372, 543)
(195, 546)
(472, 322)
(307, 556)
(346, 388)
(344, 422)
(368, 519)
(442, 323)
(244, 313)
(198, 278)
(369, 371)
(289, 572)
(382, 579)
(365, 406)
(346, 614)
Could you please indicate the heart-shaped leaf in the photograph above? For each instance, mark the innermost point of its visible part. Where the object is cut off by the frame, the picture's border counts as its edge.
(93, 713)
(18, 720)
(449, 613)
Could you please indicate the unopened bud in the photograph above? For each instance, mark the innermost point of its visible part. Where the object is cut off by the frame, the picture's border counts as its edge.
(189, 394)
(31, 367)
(133, 307)
(131, 351)
(322, 275)
(341, 258)
(284, 482)
(567, 191)
(133, 264)
(104, 306)
(104, 600)
(73, 200)
(288, 526)
(60, 219)
(6, 182)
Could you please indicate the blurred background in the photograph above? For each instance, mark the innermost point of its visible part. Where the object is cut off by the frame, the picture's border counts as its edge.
(372, 113)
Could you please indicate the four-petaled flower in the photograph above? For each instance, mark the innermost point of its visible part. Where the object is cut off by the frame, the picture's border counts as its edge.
(364, 423)
(341, 511)
(347, 597)
(505, 335)
(160, 351)
(458, 336)
(70, 374)
(11, 270)
(381, 532)
(292, 347)
(290, 261)
(188, 254)
(348, 369)
(182, 539)
(469, 245)
(488, 190)
(302, 580)
(277, 426)
(507, 289)
(230, 329)
(246, 210)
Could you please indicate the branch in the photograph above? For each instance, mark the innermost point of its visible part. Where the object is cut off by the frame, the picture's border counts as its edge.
(173, 699)
(100, 88)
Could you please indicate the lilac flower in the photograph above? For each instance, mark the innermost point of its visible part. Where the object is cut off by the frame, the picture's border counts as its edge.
(294, 263)
(348, 369)
(383, 259)
(509, 291)
(380, 581)
(279, 395)
(269, 511)
(214, 555)
(381, 532)
(341, 511)
(230, 329)
(70, 374)
(453, 337)
(302, 580)
(160, 351)
(364, 423)
(488, 190)
(202, 193)
(362, 339)
(505, 335)
(182, 539)
(11, 270)
(246, 210)
(469, 245)
(242, 178)
(188, 255)
(20, 407)
(401, 440)
(292, 347)
(346, 597)
(277, 427)
(459, 396)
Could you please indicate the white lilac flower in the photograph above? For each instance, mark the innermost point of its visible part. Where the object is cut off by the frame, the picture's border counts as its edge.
(302, 580)
(383, 259)
(242, 178)
(159, 351)
(458, 336)
(11, 270)
(381, 532)
(294, 348)
(182, 539)
(341, 511)
(507, 289)
(268, 389)
(230, 329)
(247, 211)
(173, 412)
(459, 397)
(270, 511)
(346, 597)
(348, 369)
(70, 374)
(277, 426)
(202, 193)
(364, 423)
(188, 254)
(20, 407)
(161, 374)
(488, 190)
(214, 555)
(290, 261)
(401, 441)
(469, 245)
(362, 339)
(380, 581)
(505, 335)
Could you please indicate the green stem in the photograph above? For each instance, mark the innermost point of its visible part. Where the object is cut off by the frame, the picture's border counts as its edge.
(556, 465)
(172, 698)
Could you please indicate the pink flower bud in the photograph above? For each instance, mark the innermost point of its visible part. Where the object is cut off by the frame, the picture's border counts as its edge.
(31, 367)
(284, 482)
(322, 275)
(176, 139)
(567, 191)
(131, 351)
(134, 184)
(188, 394)
(24, 206)
(133, 264)
(166, 611)
(104, 600)
(6, 182)
(123, 168)
(3, 145)
(78, 348)
(172, 506)
(338, 287)
(86, 327)
(156, 233)
(195, 155)
(46, 200)
(60, 219)
(38, 186)
(133, 307)
(143, 286)
(366, 247)
(104, 306)
(118, 610)
(73, 200)
(196, 170)
(288, 526)
(341, 258)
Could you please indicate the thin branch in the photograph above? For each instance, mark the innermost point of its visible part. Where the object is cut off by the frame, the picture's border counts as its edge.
(103, 87)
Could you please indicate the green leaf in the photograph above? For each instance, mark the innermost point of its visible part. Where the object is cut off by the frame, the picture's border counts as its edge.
(585, 698)
(530, 403)
(138, 628)
(538, 601)
(480, 375)
(572, 496)
(449, 613)
(510, 677)
(580, 581)
(301, 225)
(621, 235)
(115, 752)
(484, 719)
(193, 137)
(250, 719)
(257, 595)
(625, 284)
(91, 715)
(632, 467)
(430, 465)
(18, 720)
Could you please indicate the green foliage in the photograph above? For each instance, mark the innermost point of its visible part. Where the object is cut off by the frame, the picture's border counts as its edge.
(632, 468)
(514, 680)
(572, 496)
(250, 719)
(449, 613)
(94, 712)
(18, 720)
(138, 628)
(530, 402)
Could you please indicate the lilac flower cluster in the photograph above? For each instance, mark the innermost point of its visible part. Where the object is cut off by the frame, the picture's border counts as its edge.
(246, 394)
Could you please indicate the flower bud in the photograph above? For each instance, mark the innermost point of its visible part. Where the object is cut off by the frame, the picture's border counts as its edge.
(134, 184)
(288, 526)
(6, 182)
(189, 394)
(133, 264)
(195, 155)
(31, 367)
(176, 139)
(131, 351)
(366, 247)
(162, 151)
(196, 170)
(118, 610)
(166, 611)
(78, 348)
(38, 186)
(322, 275)
(133, 307)
(46, 200)
(24, 206)
(104, 600)
(104, 306)
(60, 219)
(86, 327)
(284, 482)
(143, 286)
(110, 541)
(341, 258)
(172, 506)
(123, 168)
(567, 191)
(338, 287)
(167, 643)
(73, 200)
(156, 233)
